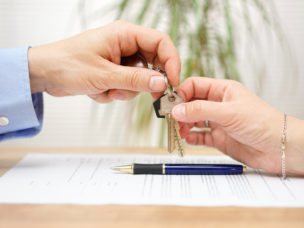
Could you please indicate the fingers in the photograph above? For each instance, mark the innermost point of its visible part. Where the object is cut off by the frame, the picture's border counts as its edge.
(216, 138)
(116, 94)
(203, 88)
(201, 124)
(211, 93)
(186, 127)
(228, 146)
(101, 98)
(134, 79)
(113, 95)
(153, 45)
(199, 138)
(156, 95)
(163, 49)
(201, 110)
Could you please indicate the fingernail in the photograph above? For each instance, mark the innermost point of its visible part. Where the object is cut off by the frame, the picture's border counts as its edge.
(157, 83)
(179, 111)
(119, 96)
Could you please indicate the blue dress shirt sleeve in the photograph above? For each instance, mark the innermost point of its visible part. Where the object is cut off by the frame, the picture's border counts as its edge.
(21, 113)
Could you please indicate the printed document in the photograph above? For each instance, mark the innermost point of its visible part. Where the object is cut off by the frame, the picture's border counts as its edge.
(89, 179)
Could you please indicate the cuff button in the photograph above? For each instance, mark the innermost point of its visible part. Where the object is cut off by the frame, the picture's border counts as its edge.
(4, 121)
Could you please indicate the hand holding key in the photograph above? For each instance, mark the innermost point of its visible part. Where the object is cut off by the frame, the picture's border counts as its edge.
(243, 126)
(89, 63)
(163, 107)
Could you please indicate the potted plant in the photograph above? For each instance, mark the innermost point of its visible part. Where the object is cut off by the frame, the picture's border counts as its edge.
(206, 33)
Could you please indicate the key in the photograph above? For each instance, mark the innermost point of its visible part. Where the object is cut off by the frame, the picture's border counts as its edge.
(163, 107)
(167, 103)
(178, 139)
(170, 124)
(174, 138)
(170, 132)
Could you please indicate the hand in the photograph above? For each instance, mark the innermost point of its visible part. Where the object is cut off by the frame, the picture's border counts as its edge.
(242, 125)
(89, 63)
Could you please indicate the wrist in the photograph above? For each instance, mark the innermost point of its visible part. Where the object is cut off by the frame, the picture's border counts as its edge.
(294, 146)
(36, 70)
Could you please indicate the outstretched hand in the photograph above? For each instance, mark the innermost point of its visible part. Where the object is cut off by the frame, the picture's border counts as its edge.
(89, 63)
(243, 126)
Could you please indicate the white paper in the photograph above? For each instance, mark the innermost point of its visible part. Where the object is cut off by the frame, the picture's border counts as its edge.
(88, 179)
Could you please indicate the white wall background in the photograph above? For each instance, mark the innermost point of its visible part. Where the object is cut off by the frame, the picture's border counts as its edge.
(77, 121)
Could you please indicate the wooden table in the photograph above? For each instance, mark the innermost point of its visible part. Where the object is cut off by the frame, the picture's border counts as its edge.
(74, 216)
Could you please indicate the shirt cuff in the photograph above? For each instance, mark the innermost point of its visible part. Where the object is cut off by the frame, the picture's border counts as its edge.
(22, 111)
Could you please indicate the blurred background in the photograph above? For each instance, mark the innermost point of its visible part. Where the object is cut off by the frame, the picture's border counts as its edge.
(269, 61)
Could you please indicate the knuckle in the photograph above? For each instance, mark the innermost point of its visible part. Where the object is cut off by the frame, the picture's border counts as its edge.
(192, 80)
(97, 84)
(134, 79)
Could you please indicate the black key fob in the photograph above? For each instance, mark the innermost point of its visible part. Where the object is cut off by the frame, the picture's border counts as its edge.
(156, 105)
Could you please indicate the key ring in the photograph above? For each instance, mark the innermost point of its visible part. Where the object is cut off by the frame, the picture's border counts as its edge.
(171, 96)
(169, 87)
(137, 58)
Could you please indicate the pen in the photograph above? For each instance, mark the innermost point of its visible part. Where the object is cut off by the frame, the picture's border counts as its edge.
(184, 169)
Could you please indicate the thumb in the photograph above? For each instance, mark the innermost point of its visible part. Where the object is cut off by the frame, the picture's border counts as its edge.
(137, 79)
(201, 110)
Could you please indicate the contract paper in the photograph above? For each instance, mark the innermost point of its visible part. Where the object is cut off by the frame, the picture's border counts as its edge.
(89, 179)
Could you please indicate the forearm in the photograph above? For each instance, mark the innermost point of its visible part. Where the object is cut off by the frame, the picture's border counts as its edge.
(295, 146)
(22, 110)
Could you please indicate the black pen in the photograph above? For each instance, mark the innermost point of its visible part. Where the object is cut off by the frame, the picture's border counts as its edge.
(182, 169)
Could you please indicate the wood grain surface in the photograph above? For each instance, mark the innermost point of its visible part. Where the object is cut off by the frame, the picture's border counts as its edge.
(66, 216)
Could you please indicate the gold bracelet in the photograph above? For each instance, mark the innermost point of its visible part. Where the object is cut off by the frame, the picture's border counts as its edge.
(283, 146)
